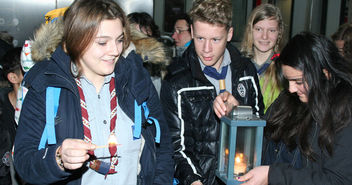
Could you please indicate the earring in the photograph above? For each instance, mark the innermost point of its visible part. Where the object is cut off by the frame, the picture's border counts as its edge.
(74, 69)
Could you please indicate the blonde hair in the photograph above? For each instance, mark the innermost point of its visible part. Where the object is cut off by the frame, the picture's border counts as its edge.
(262, 12)
(218, 12)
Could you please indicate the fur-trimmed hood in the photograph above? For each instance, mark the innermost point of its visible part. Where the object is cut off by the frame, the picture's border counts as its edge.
(150, 49)
(49, 36)
(46, 39)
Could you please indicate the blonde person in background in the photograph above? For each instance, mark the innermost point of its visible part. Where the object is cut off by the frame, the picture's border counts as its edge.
(262, 42)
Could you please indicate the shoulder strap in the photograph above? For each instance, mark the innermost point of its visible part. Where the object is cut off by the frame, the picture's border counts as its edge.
(52, 104)
(138, 121)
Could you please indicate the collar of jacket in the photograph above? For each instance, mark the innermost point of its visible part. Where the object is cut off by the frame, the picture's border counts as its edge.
(57, 73)
(131, 74)
(54, 72)
(191, 57)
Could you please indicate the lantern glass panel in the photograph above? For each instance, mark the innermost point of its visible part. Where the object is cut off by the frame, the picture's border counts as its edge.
(244, 158)
(224, 160)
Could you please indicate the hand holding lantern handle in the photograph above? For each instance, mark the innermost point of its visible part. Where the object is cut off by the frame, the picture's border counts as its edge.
(224, 103)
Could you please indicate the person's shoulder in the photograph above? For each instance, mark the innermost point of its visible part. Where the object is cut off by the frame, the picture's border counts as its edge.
(237, 58)
(177, 66)
(131, 60)
(4, 94)
(241, 63)
(36, 72)
(181, 77)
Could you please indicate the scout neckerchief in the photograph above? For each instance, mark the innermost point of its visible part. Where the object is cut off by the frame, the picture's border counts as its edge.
(267, 64)
(97, 165)
(210, 71)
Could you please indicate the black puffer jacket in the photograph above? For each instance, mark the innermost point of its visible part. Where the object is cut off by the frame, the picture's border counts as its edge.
(187, 98)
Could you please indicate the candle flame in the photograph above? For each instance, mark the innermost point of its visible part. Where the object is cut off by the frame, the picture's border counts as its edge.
(112, 141)
(226, 151)
(239, 157)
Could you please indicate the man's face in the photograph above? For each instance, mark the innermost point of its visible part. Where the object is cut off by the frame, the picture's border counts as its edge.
(210, 42)
(182, 33)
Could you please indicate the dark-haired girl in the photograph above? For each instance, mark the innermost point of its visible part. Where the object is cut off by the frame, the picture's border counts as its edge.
(312, 115)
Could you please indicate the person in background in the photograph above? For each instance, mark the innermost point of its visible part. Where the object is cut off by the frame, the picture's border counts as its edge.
(343, 40)
(187, 95)
(262, 42)
(5, 44)
(14, 74)
(144, 23)
(152, 51)
(311, 114)
(182, 33)
(27, 61)
(91, 73)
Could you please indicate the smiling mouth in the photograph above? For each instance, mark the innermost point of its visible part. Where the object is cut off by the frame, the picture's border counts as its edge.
(110, 60)
(264, 43)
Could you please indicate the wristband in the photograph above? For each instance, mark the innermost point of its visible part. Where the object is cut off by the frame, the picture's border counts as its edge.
(59, 161)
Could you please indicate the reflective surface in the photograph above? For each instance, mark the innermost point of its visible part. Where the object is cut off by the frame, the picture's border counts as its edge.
(20, 18)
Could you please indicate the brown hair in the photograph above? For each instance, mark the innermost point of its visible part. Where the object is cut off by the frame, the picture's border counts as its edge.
(213, 12)
(81, 23)
(345, 33)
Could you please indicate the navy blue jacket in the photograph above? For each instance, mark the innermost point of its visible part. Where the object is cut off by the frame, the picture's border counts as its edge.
(132, 83)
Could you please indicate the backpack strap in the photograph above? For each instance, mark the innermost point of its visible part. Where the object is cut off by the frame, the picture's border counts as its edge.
(52, 104)
(138, 121)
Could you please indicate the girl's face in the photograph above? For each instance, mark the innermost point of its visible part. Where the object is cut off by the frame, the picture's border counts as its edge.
(265, 35)
(100, 57)
(296, 84)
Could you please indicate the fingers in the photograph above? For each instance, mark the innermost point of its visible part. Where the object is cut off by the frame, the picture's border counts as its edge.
(245, 177)
(232, 100)
(224, 103)
(224, 95)
(219, 105)
(218, 109)
(256, 176)
(74, 153)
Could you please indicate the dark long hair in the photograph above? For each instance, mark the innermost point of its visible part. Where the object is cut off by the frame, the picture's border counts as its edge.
(144, 20)
(328, 79)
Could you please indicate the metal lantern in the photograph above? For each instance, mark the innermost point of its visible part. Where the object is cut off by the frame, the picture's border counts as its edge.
(241, 138)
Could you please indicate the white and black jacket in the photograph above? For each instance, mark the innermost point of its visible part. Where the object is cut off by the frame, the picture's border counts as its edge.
(187, 97)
